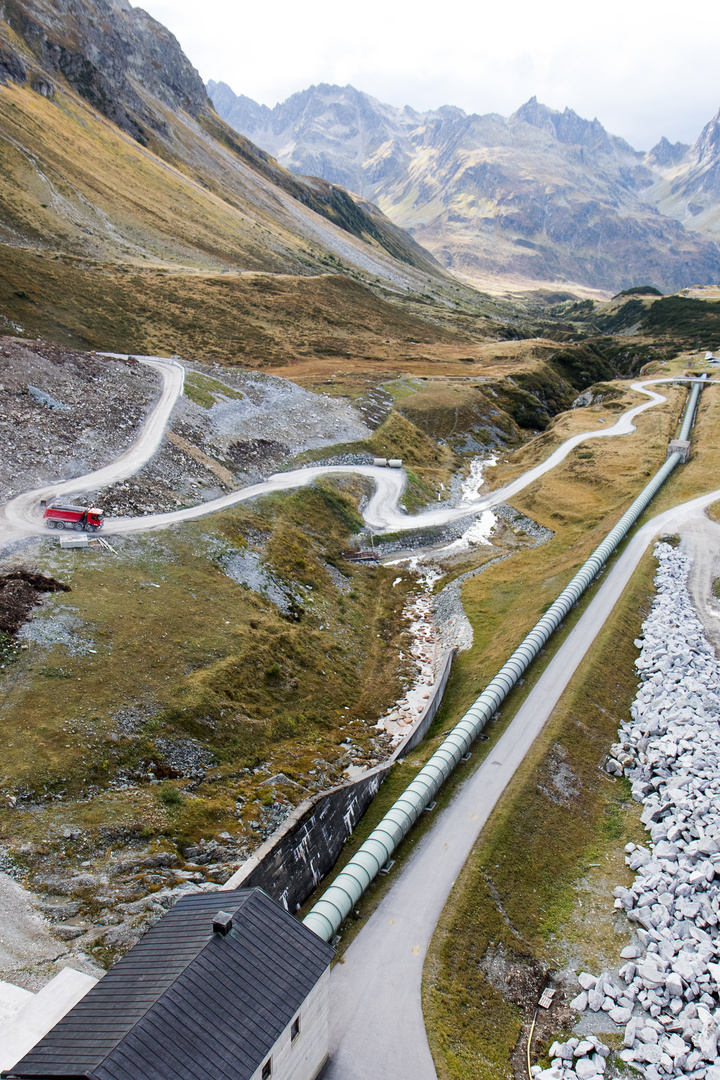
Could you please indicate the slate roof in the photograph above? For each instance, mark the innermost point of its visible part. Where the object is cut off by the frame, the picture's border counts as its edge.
(186, 1003)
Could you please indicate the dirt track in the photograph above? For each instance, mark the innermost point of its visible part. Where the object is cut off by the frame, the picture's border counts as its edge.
(22, 517)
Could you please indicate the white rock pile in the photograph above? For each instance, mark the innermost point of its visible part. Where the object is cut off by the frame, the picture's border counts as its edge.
(582, 1058)
(668, 993)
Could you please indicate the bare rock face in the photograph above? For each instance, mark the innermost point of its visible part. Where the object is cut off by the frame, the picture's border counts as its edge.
(704, 177)
(543, 195)
(108, 52)
(690, 188)
(707, 147)
(666, 154)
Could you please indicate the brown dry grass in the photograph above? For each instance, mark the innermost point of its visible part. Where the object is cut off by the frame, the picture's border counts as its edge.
(205, 657)
(702, 472)
(262, 320)
(469, 358)
(633, 450)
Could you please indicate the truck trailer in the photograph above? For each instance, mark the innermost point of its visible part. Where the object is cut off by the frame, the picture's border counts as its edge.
(80, 518)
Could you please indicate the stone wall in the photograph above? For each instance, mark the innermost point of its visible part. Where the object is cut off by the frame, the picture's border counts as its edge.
(292, 862)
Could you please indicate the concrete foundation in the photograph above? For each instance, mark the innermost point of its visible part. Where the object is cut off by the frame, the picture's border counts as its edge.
(679, 446)
(42, 1012)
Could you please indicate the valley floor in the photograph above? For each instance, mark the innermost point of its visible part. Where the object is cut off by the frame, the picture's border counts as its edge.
(267, 658)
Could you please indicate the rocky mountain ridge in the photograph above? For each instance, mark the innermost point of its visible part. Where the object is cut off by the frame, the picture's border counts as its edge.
(540, 196)
(115, 56)
(166, 180)
(689, 183)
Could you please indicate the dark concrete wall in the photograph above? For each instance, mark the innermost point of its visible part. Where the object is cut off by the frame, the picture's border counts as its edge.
(291, 863)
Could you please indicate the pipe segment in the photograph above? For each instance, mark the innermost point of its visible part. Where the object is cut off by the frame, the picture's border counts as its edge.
(339, 898)
(689, 419)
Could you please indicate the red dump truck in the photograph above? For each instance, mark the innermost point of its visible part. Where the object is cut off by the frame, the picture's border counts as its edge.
(81, 518)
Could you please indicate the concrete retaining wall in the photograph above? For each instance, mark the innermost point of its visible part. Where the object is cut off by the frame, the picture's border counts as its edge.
(292, 862)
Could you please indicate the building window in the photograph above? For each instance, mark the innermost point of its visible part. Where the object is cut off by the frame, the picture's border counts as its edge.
(267, 1069)
(295, 1029)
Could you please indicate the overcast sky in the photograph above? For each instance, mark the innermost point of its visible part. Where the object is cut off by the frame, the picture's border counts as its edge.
(644, 69)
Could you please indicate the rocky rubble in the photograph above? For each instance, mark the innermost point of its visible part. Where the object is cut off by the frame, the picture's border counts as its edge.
(64, 412)
(583, 1058)
(668, 992)
(424, 657)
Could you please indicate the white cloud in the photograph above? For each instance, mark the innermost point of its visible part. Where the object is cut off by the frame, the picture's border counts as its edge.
(644, 70)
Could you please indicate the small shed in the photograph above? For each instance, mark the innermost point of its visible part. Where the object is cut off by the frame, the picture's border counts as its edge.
(226, 986)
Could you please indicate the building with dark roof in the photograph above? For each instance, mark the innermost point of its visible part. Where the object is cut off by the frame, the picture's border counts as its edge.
(234, 994)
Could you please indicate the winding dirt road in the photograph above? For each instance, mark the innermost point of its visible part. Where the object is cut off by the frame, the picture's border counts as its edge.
(22, 518)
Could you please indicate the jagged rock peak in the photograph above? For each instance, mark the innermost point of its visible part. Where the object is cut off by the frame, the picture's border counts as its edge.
(707, 146)
(240, 111)
(567, 126)
(107, 50)
(666, 153)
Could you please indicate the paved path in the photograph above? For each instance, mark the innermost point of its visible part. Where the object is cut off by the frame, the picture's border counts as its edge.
(702, 537)
(377, 1022)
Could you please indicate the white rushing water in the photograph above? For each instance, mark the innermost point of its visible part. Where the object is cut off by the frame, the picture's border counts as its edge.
(470, 490)
(479, 532)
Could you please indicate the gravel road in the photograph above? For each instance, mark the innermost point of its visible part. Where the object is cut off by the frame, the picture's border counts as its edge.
(703, 539)
(21, 516)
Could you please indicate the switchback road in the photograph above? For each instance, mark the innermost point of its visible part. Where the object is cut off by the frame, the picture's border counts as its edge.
(22, 517)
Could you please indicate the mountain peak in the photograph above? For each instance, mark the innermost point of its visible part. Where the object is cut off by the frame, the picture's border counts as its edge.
(666, 153)
(707, 146)
(567, 127)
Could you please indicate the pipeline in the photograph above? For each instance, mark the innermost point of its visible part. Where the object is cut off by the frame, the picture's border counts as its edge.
(689, 418)
(339, 898)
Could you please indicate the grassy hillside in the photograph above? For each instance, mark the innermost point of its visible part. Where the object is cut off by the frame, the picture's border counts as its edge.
(72, 182)
(689, 320)
(252, 319)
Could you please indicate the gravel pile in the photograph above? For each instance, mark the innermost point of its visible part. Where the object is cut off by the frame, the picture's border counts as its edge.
(247, 568)
(668, 993)
(64, 627)
(185, 756)
(361, 458)
(277, 410)
(64, 413)
(521, 523)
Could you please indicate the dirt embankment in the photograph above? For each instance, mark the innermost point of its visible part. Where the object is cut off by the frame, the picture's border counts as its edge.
(20, 591)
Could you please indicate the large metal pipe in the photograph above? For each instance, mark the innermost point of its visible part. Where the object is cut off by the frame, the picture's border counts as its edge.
(689, 417)
(338, 900)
